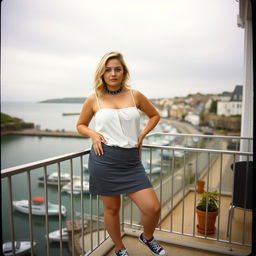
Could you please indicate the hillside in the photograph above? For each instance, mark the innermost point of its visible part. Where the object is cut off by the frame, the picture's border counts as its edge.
(65, 100)
(9, 119)
(9, 123)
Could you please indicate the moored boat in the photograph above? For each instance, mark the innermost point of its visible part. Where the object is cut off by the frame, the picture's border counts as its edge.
(55, 235)
(20, 247)
(154, 170)
(168, 154)
(77, 188)
(38, 207)
(53, 179)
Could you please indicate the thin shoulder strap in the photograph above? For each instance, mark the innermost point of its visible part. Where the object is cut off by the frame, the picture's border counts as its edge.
(98, 102)
(133, 98)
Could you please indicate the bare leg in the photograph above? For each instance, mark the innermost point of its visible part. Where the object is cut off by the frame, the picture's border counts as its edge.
(150, 208)
(112, 220)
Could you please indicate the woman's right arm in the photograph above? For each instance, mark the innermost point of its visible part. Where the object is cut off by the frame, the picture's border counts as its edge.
(84, 121)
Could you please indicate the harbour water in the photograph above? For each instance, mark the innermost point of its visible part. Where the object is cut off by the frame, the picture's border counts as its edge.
(18, 149)
(46, 115)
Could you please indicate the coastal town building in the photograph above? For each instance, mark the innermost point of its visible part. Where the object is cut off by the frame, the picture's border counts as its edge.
(233, 106)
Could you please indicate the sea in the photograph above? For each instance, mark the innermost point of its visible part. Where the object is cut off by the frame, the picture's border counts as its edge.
(19, 149)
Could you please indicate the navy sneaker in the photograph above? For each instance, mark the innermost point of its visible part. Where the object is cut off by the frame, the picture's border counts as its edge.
(155, 248)
(122, 252)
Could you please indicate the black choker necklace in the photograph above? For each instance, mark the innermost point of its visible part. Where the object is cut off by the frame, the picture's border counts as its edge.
(112, 92)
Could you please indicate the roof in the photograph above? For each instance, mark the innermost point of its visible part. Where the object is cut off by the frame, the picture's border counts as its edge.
(237, 93)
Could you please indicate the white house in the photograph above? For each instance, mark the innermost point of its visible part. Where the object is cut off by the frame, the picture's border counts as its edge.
(233, 106)
(193, 117)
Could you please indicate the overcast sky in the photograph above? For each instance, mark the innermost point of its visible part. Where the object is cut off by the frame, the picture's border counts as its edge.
(50, 48)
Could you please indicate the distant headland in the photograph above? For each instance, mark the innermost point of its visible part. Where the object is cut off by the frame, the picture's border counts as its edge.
(65, 100)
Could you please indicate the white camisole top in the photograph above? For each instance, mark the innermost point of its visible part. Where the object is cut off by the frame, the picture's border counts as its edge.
(120, 127)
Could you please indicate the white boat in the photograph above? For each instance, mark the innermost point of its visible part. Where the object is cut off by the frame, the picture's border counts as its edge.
(167, 154)
(76, 187)
(55, 235)
(166, 127)
(38, 207)
(195, 139)
(160, 142)
(88, 217)
(157, 162)
(154, 170)
(21, 247)
(52, 179)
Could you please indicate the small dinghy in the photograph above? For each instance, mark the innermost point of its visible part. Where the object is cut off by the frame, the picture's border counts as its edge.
(38, 207)
(21, 247)
(77, 188)
(53, 179)
(55, 235)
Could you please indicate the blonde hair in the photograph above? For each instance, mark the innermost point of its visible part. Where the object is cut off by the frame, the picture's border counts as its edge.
(98, 78)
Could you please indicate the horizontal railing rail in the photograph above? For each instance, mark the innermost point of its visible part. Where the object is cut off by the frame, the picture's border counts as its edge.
(38, 164)
(199, 150)
(200, 135)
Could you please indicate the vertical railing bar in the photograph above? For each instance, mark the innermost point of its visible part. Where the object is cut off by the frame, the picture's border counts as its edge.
(237, 145)
(11, 215)
(207, 191)
(122, 210)
(195, 194)
(105, 234)
(98, 229)
(72, 206)
(161, 187)
(82, 205)
(245, 196)
(232, 209)
(91, 212)
(172, 171)
(30, 213)
(221, 166)
(150, 166)
(172, 189)
(131, 215)
(46, 210)
(60, 217)
(183, 193)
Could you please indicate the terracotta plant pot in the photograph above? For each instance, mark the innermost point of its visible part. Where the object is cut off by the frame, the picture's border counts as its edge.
(201, 219)
(200, 186)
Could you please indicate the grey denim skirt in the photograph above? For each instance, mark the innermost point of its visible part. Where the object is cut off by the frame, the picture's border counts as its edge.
(118, 171)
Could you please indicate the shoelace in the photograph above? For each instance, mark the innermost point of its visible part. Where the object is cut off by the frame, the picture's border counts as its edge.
(155, 246)
(123, 253)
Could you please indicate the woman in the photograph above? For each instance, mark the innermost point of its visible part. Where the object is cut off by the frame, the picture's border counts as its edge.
(114, 163)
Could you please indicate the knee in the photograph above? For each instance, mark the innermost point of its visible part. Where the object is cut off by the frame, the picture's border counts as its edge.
(112, 210)
(154, 209)
(157, 208)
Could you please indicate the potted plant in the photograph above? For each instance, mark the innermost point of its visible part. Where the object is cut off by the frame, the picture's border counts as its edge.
(212, 212)
(200, 186)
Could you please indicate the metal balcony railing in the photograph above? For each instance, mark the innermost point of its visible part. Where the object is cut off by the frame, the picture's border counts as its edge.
(172, 170)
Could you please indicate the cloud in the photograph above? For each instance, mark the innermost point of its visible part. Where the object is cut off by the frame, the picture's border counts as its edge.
(53, 47)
